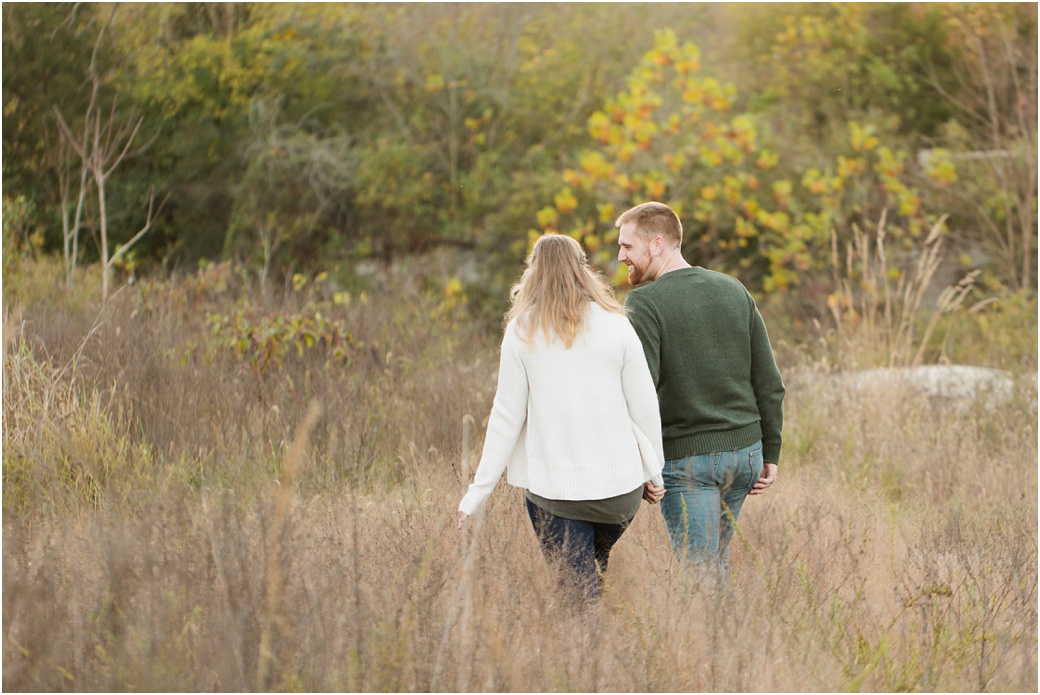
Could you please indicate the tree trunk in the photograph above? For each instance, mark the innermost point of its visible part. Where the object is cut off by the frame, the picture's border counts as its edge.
(106, 268)
(72, 235)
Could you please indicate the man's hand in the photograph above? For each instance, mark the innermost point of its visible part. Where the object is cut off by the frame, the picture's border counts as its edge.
(462, 517)
(768, 477)
(652, 493)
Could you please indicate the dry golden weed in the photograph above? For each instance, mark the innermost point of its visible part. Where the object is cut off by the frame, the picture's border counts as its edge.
(897, 551)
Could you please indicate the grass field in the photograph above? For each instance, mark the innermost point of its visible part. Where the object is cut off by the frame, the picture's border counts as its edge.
(178, 516)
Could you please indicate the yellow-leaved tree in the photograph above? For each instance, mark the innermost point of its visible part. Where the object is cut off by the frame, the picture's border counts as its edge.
(677, 136)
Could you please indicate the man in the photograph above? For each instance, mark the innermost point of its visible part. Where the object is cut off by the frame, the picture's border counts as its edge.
(720, 392)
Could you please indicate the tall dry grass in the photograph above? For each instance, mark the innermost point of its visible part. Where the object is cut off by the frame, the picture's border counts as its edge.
(167, 528)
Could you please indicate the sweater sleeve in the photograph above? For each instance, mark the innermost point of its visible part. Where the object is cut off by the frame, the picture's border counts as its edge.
(643, 408)
(648, 328)
(508, 417)
(768, 386)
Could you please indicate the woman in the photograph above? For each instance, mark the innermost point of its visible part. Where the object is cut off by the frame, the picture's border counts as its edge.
(575, 417)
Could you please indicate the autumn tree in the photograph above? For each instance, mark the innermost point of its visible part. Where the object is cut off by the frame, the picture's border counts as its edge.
(951, 84)
(677, 135)
(479, 105)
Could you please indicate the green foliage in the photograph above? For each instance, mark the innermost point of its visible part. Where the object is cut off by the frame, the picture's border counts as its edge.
(475, 108)
(46, 48)
(23, 235)
(826, 64)
(263, 341)
(297, 136)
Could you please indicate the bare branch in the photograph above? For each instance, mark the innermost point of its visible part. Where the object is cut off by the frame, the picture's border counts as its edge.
(129, 141)
(68, 20)
(153, 212)
(92, 68)
(69, 137)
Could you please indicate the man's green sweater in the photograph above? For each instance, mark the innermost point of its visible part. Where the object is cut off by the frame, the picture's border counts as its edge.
(710, 357)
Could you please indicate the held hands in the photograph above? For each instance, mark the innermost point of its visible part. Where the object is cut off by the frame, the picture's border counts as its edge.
(652, 493)
(768, 477)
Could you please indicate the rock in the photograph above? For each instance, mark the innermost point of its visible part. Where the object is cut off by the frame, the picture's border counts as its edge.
(955, 385)
(951, 382)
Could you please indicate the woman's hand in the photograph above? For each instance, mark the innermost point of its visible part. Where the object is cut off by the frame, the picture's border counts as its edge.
(462, 517)
(652, 493)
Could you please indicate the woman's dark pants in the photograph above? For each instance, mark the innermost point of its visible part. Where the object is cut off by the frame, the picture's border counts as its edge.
(581, 547)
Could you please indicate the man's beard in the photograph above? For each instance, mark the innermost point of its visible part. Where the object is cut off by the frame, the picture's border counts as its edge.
(637, 271)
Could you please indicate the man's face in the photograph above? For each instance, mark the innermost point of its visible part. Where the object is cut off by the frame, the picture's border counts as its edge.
(635, 253)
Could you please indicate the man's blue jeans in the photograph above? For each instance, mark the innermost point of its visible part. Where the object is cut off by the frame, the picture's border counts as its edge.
(583, 547)
(702, 500)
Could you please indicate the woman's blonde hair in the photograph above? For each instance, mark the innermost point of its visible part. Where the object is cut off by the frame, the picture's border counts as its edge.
(554, 292)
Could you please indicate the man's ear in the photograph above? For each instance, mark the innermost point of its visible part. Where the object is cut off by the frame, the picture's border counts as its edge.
(657, 246)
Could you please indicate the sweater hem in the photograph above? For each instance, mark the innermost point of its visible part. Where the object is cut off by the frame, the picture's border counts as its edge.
(711, 442)
(566, 483)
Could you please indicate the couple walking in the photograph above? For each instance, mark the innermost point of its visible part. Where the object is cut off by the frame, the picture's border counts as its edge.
(674, 398)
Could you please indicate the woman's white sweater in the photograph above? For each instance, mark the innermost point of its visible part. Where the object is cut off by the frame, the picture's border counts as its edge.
(572, 424)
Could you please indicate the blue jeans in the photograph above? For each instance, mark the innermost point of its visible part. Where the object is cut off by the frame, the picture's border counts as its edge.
(581, 547)
(702, 500)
